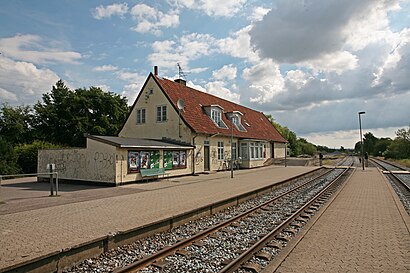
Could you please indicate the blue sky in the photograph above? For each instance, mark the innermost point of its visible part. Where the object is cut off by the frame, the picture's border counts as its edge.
(311, 64)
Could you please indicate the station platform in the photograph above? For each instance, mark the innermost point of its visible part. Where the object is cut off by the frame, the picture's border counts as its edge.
(33, 225)
(364, 229)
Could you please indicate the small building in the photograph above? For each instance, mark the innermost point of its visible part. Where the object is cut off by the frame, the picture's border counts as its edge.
(174, 127)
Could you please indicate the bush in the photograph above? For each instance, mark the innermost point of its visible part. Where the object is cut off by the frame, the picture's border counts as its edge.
(8, 158)
(27, 154)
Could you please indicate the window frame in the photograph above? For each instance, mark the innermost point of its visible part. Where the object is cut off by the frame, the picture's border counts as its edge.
(220, 150)
(161, 113)
(141, 116)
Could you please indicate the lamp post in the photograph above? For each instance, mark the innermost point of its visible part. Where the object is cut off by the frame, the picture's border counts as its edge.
(361, 137)
(232, 147)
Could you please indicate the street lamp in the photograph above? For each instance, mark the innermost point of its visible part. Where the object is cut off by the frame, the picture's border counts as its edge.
(232, 117)
(361, 137)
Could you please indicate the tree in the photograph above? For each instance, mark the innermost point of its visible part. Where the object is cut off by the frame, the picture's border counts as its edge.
(16, 124)
(400, 146)
(27, 154)
(64, 115)
(8, 158)
(369, 141)
(296, 146)
(381, 146)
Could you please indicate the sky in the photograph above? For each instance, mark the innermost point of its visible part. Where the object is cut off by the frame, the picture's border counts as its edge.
(313, 65)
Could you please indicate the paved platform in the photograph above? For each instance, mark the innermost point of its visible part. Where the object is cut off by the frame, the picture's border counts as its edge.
(365, 229)
(33, 224)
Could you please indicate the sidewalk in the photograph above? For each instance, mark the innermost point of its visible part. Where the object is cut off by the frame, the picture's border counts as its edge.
(49, 224)
(363, 230)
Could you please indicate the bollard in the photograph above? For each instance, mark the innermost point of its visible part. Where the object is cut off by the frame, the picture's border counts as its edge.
(56, 183)
(1, 202)
(51, 170)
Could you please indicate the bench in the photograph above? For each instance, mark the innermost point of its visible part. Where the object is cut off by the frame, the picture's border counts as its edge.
(148, 173)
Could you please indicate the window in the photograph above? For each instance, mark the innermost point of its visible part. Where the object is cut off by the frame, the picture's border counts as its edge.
(140, 116)
(244, 150)
(220, 150)
(234, 151)
(237, 121)
(256, 150)
(216, 116)
(252, 148)
(161, 113)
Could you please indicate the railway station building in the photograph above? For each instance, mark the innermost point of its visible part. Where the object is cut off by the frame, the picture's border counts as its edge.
(175, 128)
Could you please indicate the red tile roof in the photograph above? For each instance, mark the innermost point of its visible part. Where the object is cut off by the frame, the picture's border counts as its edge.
(196, 118)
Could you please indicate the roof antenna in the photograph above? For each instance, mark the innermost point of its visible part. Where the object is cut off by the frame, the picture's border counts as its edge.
(181, 73)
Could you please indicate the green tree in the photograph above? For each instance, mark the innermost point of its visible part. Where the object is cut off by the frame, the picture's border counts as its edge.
(306, 147)
(16, 124)
(381, 146)
(369, 141)
(27, 154)
(8, 158)
(400, 146)
(64, 115)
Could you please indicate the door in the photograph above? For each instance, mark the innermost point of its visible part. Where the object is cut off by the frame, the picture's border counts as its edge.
(272, 150)
(206, 158)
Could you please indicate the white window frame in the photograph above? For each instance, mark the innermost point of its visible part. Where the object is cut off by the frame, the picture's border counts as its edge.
(161, 113)
(244, 151)
(141, 115)
(220, 150)
(234, 151)
(216, 116)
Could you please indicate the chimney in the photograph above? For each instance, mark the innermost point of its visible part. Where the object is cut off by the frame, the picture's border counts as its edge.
(180, 81)
(156, 70)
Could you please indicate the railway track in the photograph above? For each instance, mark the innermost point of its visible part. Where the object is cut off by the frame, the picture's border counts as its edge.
(246, 241)
(399, 178)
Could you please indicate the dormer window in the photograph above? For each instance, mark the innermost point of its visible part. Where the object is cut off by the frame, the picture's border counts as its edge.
(235, 117)
(215, 113)
(216, 116)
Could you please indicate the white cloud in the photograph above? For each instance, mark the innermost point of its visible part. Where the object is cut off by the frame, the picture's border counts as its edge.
(238, 45)
(218, 88)
(30, 48)
(258, 13)
(347, 138)
(151, 20)
(263, 81)
(131, 91)
(130, 76)
(337, 62)
(102, 12)
(396, 66)
(23, 82)
(298, 78)
(166, 54)
(217, 8)
(227, 72)
(105, 68)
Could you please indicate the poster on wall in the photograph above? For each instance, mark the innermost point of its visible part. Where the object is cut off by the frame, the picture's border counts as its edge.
(167, 160)
(133, 162)
(175, 159)
(154, 160)
(182, 159)
(144, 160)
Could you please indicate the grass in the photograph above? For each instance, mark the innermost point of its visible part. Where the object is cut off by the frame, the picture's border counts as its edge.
(403, 162)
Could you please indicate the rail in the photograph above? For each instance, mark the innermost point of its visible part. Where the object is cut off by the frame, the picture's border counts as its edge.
(144, 262)
(250, 252)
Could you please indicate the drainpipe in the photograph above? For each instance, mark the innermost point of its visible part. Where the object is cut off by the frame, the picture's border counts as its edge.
(193, 155)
